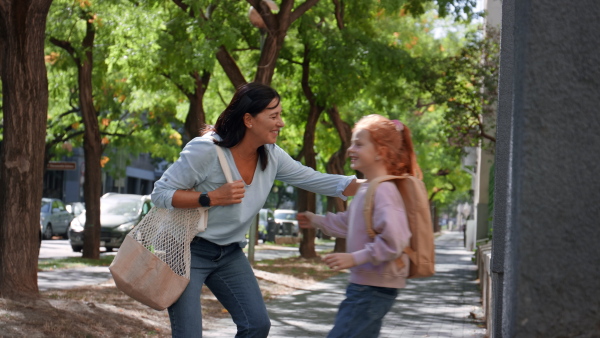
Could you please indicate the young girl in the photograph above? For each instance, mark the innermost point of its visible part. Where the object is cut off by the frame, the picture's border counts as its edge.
(379, 147)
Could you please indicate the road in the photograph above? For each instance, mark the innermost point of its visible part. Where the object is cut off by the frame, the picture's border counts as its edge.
(60, 248)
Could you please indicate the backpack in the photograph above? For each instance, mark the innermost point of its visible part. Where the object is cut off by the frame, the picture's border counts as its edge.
(421, 248)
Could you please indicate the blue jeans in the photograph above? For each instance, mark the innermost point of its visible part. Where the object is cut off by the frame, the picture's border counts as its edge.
(226, 272)
(362, 312)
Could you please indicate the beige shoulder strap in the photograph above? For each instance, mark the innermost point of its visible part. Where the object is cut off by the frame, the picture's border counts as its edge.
(224, 164)
(369, 197)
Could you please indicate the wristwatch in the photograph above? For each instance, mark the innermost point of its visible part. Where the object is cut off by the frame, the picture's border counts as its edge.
(204, 200)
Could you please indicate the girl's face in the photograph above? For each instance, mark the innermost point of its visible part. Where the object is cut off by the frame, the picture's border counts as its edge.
(362, 151)
(265, 126)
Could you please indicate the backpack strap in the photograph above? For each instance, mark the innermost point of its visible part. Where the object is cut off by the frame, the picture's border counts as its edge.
(369, 201)
(368, 213)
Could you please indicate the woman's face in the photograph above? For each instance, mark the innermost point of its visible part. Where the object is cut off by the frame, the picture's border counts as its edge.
(362, 151)
(265, 126)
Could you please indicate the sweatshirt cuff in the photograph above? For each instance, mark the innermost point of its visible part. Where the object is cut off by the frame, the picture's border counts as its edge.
(342, 185)
(361, 256)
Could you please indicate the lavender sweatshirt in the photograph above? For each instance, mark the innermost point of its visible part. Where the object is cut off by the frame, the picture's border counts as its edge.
(375, 257)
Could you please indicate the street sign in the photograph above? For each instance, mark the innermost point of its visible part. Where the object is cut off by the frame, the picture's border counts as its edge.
(61, 165)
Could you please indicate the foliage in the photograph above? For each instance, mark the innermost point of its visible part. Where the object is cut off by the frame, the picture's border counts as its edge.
(467, 86)
(385, 57)
(73, 263)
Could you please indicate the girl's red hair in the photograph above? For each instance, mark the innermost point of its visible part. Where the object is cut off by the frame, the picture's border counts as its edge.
(395, 147)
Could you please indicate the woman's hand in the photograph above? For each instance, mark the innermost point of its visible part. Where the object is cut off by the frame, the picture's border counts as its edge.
(227, 194)
(339, 261)
(352, 188)
(305, 219)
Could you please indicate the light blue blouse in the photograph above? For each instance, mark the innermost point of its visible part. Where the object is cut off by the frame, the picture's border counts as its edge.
(198, 168)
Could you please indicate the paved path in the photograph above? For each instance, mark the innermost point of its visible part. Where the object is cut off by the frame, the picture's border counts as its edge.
(70, 278)
(438, 306)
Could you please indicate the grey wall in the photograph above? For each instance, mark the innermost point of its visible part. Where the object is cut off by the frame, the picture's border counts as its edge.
(548, 251)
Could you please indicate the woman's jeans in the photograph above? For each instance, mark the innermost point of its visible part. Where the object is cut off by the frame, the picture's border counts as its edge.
(362, 312)
(227, 273)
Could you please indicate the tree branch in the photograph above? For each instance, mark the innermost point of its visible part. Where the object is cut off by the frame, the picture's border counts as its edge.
(339, 13)
(66, 45)
(436, 190)
(265, 13)
(305, 6)
(244, 49)
(180, 87)
(291, 61)
(230, 67)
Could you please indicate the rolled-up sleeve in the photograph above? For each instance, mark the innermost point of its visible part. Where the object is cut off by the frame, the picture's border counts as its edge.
(301, 176)
(186, 173)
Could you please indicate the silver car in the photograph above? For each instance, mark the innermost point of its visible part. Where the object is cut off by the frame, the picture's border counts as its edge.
(55, 218)
(287, 221)
(119, 213)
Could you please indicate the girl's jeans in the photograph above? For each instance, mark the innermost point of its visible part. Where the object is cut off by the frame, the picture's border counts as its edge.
(227, 273)
(362, 312)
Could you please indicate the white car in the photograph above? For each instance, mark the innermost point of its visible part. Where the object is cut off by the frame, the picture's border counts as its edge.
(119, 213)
(55, 218)
(287, 220)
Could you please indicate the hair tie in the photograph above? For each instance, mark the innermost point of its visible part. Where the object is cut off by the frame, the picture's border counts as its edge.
(399, 125)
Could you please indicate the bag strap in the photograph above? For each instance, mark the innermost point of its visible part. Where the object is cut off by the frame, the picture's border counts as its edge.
(369, 200)
(368, 211)
(224, 164)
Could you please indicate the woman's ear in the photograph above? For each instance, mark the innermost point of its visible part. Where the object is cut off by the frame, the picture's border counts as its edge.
(248, 120)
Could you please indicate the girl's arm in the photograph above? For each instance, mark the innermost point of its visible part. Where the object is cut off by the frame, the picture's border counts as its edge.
(390, 224)
(335, 225)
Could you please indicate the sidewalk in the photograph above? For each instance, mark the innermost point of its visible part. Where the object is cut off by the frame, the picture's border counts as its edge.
(438, 306)
(70, 278)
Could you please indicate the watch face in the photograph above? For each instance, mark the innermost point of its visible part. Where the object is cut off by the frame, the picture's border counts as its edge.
(204, 200)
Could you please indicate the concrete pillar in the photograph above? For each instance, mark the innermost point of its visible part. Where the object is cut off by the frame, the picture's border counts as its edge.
(546, 229)
(485, 159)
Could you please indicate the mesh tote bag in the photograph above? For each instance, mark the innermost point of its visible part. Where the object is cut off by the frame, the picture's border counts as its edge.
(152, 265)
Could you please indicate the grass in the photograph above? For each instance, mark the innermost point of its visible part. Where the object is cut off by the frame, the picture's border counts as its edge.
(73, 262)
(298, 267)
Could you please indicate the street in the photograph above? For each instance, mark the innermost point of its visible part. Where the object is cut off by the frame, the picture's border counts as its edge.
(60, 248)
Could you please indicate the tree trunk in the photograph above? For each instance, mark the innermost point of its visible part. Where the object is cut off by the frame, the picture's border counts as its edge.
(92, 147)
(307, 200)
(196, 117)
(268, 58)
(336, 163)
(25, 106)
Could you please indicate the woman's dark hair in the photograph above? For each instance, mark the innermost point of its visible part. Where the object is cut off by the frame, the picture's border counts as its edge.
(251, 98)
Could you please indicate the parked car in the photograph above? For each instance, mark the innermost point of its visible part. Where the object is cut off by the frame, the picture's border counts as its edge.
(264, 216)
(119, 213)
(75, 208)
(55, 218)
(287, 221)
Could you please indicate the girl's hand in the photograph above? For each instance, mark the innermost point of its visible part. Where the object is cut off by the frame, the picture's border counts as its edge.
(228, 193)
(339, 261)
(305, 219)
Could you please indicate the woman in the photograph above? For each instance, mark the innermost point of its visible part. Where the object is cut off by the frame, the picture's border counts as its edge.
(247, 130)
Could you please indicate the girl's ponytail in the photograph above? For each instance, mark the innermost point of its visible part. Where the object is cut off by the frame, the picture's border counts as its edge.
(408, 149)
